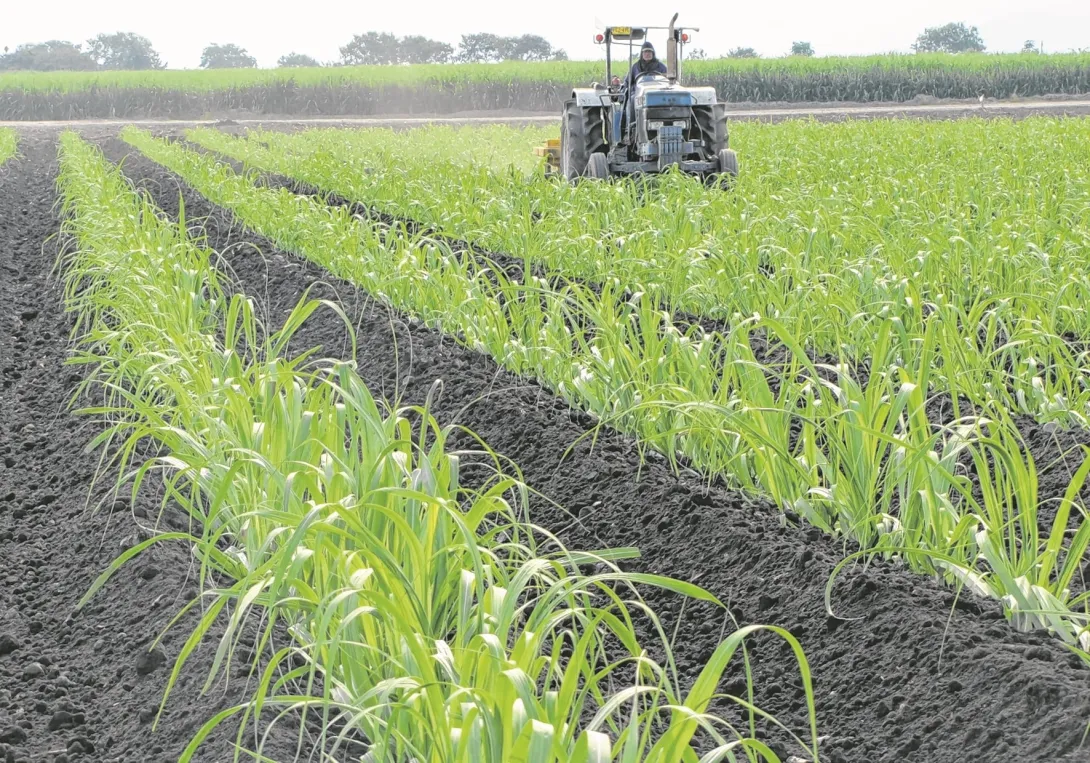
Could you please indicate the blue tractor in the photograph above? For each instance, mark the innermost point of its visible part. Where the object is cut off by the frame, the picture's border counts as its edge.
(644, 126)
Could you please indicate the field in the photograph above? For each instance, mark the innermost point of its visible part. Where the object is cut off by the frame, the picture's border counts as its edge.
(444, 89)
(382, 445)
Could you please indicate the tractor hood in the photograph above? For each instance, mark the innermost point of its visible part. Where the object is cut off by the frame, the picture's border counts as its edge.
(658, 91)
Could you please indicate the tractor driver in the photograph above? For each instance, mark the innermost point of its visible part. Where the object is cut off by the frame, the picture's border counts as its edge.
(648, 63)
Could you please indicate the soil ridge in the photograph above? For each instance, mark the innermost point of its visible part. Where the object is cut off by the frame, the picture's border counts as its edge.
(915, 678)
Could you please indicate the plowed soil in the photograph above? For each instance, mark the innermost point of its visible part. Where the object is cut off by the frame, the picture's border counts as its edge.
(1056, 452)
(905, 673)
(81, 685)
(914, 678)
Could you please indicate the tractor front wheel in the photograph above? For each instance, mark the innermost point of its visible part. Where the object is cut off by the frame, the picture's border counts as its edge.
(728, 163)
(598, 167)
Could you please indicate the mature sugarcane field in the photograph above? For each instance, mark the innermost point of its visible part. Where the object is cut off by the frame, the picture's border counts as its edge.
(524, 86)
(384, 445)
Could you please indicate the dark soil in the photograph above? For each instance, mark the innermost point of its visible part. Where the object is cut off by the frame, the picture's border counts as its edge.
(511, 267)
(1055, 451)
(918, 677)
(80, 686)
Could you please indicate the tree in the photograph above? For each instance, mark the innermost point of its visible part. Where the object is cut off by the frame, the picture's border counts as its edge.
(697, 54)
(385, 48)
(51, 56)
(297, 60)
(489, 48)
(528, 47)
(949, 38)
(802, 49)
(416, 49)
(1030, 47)
(229, 56)
(480, 48)
(371, 48)
(742, 53)
(124, 50)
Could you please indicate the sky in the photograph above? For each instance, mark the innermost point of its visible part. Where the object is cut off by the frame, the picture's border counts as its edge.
(269, 29)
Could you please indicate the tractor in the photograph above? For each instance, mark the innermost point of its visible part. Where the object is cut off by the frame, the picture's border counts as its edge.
(612, 130)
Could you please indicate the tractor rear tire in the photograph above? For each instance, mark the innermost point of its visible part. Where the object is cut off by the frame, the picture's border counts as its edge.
(598, 167)
(728, 163)
(582, 133)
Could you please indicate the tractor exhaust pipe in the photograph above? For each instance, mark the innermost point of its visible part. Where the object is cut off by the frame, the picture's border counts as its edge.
(671, 52)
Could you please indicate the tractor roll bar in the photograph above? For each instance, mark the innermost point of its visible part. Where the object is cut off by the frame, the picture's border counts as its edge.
(674, 38)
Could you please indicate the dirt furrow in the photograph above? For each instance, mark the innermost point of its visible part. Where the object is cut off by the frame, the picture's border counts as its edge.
(914, 678)
(79, 685)
(1057, 452)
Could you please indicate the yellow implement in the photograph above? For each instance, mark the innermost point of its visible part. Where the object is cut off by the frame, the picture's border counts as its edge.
(551, 152)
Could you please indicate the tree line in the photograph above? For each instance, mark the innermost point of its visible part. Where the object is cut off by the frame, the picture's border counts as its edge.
(948, 38)
(128, 51)
(133, 52)
(385, 48)
(121, 50)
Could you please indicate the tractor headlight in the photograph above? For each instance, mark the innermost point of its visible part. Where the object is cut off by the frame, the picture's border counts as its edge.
(655, 125)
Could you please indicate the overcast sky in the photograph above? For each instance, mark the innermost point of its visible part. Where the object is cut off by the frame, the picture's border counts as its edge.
(271, 28)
